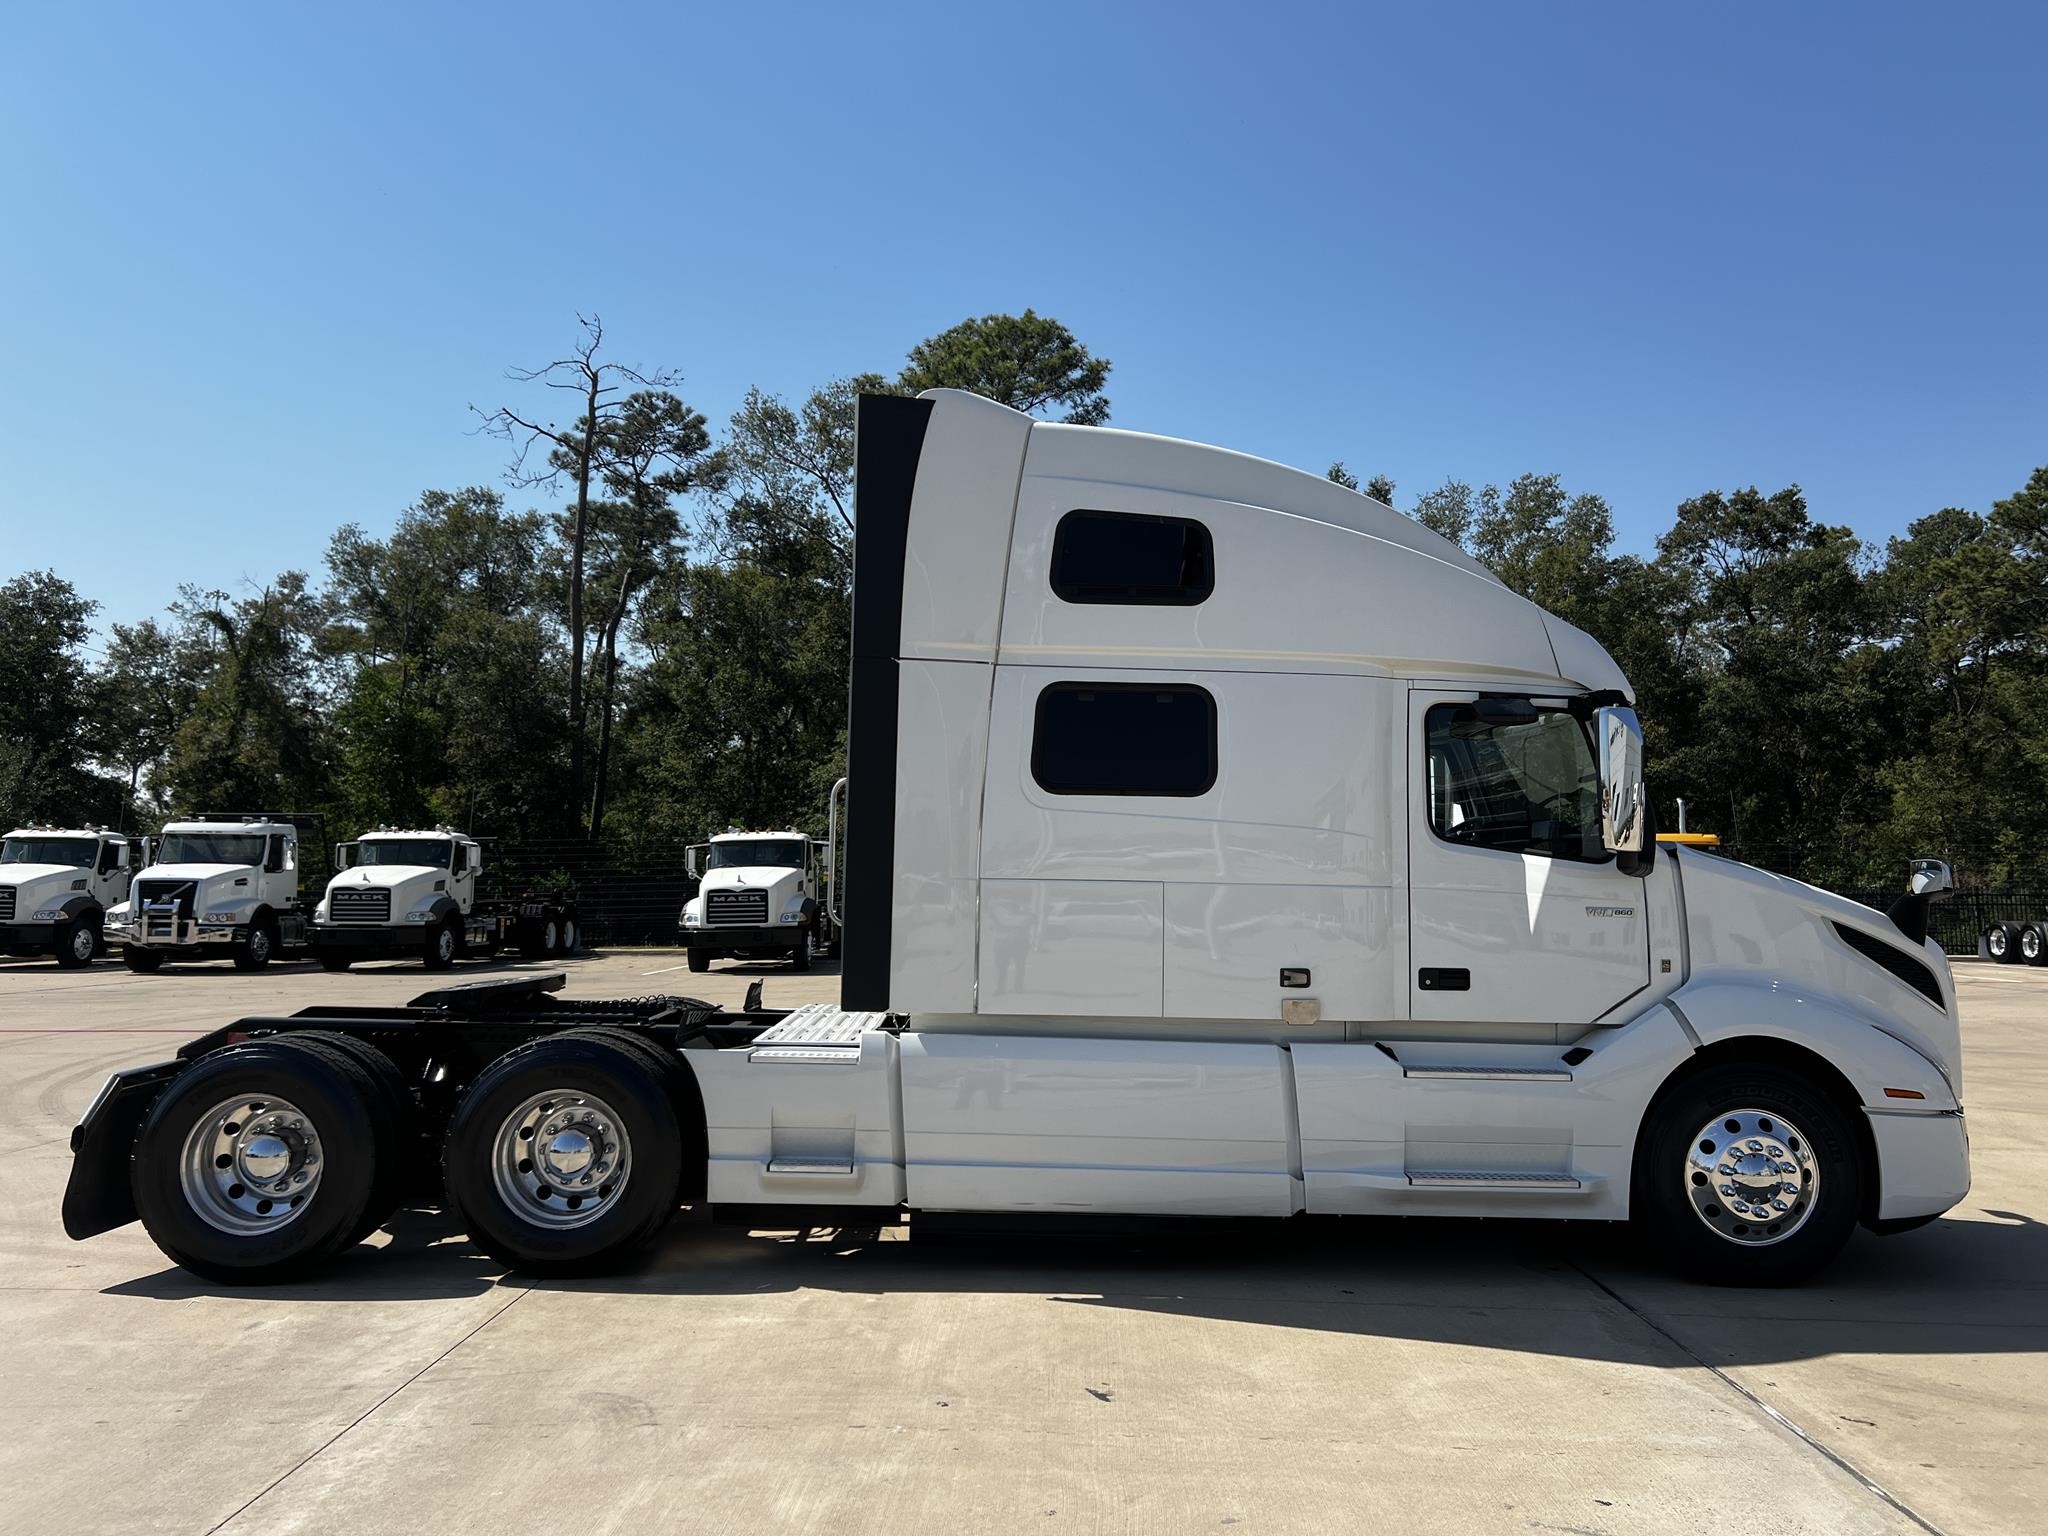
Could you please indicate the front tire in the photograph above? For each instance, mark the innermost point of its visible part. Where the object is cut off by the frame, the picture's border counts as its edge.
(331, 960)
(443, 944)
(259, 1161)
(564, 1156)
(700, 961)
(1747, 1174)
(141, 961)
(255, 952)
(77, 942)
(800, 957)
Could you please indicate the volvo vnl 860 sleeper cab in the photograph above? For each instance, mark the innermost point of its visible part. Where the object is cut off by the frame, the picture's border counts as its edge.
(1220, 843)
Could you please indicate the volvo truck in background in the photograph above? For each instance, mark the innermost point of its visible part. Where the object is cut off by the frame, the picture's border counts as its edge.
(219, 885)
(761, 895)
(56, 886)
(1219, 843)
(416, 894)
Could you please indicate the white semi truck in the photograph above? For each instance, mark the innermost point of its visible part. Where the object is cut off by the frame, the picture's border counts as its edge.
(760, 895)
(219, 885)
(56, 886)
(415, 894)
(1220, 843)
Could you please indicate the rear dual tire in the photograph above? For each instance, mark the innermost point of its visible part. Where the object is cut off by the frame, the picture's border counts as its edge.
(2000, 943)
(567, 1154)
(2033, 944)
(259, 1162)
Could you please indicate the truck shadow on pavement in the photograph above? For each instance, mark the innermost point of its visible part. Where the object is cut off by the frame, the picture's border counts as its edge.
(1957, 1287)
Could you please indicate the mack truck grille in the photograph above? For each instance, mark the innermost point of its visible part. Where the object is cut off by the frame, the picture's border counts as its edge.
(359, 905)
(6, 903)
(737, 908)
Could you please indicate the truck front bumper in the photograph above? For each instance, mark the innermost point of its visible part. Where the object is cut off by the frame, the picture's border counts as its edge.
(27, 938)
(336, 939)
(774, 940)
(180, 934)
(1923, 1164)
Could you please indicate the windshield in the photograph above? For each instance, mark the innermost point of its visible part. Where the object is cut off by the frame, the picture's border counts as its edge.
(433, 852)
(210, 848)
(49, 850)
(782, 852)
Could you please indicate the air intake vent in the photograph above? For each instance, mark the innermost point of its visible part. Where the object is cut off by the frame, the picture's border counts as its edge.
(359, 904)
(1914, 973)
(6, 903)
(737, 908)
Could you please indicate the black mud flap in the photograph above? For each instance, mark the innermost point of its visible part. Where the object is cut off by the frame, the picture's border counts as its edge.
(100, 1197)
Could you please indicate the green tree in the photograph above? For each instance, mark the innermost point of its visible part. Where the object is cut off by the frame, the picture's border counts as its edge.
(46, 702)
(255, 738)
(1029, 362)
(576, 454)
(455, 678)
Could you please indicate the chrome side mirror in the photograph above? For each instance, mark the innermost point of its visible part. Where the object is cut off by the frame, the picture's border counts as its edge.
(693, 861)
(1618, 740)
(1930, 877)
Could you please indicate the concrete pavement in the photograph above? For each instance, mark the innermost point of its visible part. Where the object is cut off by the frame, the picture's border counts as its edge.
(1420, 1377)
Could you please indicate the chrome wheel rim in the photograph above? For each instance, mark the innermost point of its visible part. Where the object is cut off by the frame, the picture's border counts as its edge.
(568, 938)
(561, 1159)
(250, 1165)
(2030, 944)
(1995, 941)
(550, 937)
(259, 946)
(444, 944)
(1751, 1177)
(81, 943)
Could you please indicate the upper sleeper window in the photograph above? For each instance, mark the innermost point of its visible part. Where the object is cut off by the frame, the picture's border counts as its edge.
(1124, 739)
(1131, 557)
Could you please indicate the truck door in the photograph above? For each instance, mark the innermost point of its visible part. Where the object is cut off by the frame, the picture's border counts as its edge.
(111, 873)
(1517, 914)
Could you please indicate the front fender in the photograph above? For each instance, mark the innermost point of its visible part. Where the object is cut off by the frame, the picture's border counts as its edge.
(1858, 1046)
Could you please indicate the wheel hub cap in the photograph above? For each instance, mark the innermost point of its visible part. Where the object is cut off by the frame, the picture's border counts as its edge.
(561, 1159)
(1750, 1175)
(250, 1165)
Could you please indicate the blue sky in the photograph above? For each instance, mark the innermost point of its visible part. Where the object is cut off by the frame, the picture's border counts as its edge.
(259, 261)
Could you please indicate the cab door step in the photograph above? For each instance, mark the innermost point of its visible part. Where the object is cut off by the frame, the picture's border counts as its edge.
(1460, 1180)
(1482, 1074)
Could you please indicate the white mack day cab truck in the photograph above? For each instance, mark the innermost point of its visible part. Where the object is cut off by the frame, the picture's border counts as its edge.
(413, 895)
(762, 894)
(1220, 843)
(221, 885)
(56, 885)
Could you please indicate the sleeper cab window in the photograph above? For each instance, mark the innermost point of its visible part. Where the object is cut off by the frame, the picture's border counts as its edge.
(1132, 558)
(1124, 739)
(1514, 775)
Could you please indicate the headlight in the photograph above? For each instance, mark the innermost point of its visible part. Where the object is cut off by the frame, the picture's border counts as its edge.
(229, 915)
(691, 914)
(47, 915)
(118, 913)
(791, 917)
(418, 917)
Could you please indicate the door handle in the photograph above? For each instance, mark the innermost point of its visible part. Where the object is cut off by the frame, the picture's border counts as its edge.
(1435, 978)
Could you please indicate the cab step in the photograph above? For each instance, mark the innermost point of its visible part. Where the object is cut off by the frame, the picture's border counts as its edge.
(1456, 1179)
